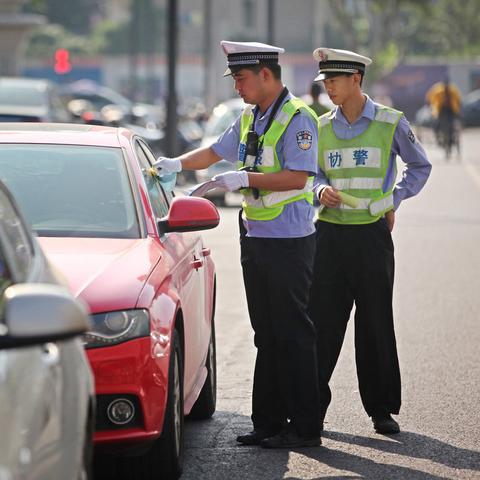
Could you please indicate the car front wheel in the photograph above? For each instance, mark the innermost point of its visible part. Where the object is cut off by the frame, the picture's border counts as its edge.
(164, 460)
(205, 405)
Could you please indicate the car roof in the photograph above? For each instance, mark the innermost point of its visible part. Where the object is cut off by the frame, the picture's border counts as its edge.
(233, 103)
(64, 133)
(22, 81)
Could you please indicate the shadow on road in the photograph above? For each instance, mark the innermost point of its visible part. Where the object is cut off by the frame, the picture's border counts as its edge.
(213, 453)
(414, 445)
(407, 444)
(362, 466)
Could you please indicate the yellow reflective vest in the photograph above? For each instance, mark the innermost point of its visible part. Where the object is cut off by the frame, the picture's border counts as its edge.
(358, 167)
(270, 205)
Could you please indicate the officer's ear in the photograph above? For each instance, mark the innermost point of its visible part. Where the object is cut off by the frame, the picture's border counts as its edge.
(266, 74)
(358, 78)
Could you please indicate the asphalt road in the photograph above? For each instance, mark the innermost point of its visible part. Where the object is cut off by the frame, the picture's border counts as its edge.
(437, 307)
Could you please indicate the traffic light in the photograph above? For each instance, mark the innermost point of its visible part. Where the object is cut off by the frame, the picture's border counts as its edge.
(62, 61)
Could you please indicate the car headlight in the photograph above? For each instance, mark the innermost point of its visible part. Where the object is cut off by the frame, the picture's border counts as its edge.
(112, 328)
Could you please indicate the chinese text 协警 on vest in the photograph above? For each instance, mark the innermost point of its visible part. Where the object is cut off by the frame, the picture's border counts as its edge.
(358, 167)
(269, 205)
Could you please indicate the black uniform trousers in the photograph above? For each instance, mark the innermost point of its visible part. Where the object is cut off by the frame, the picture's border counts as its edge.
(354, 264)
(277, 275)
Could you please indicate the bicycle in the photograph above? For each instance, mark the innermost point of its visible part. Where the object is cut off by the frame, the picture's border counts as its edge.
(448, 133)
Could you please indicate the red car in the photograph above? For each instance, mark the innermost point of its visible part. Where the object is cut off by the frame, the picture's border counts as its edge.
(121, 241)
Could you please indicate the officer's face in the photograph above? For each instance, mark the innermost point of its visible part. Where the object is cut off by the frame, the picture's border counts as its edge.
(340, 88)
(250, 85)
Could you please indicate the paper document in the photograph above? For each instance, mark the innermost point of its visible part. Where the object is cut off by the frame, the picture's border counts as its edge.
(201, 189)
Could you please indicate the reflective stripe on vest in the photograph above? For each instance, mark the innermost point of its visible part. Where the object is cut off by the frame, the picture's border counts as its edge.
(270, 204)
(274, 198)
(358, 166)
(356, 183)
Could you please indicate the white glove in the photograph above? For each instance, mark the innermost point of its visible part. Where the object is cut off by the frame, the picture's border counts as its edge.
(166, 165)
(232, 181)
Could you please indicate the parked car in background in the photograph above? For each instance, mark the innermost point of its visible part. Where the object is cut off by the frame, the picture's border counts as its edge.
(121, 240)
(30, 100)
(46, 385)
(99, 96)
(96, 104)
(471, 109)
(223, 115)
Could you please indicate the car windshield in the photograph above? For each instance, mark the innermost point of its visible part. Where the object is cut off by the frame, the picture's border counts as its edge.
(25, 96)
(71, 190)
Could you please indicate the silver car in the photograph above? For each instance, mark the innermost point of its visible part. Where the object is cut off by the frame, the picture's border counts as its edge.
(46, 385)
(30, 100)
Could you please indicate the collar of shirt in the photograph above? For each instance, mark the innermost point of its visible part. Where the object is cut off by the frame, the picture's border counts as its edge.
(368, 112)
(263, 118)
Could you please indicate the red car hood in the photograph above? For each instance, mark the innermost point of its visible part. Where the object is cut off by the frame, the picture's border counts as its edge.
(107, 273)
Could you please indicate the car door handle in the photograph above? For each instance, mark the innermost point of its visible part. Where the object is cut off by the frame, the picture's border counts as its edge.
(205, 252)
(197, 263)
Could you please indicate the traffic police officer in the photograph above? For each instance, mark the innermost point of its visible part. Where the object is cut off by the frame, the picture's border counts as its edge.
(274, 145)
(358, 144)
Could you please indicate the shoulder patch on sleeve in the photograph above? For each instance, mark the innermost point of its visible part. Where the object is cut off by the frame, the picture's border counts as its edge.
(411, 136)
(304, 139)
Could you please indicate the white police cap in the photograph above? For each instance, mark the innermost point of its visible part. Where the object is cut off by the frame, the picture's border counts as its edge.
(332, 62)
(242, 54)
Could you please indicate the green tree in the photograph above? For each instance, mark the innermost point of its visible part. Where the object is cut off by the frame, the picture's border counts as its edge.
(45, 39)
(73, 15)
(380, 29)
(389, 30)
(107, 37)
(450, 30)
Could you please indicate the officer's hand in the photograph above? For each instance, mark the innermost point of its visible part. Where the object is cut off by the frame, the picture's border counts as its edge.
(232, 181)
(329, 197)
(390, 218)
(166, 165)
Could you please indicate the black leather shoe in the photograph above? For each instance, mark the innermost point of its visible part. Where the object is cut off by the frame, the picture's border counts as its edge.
(255, 436)
(384, 423)
(290, 439)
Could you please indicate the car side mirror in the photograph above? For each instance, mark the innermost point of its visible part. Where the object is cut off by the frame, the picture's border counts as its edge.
(36, 313)
(189, 214)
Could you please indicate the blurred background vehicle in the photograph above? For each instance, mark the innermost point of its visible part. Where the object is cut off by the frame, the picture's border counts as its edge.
(47, 404)
(30, 100)
(424, 117)
(223, 115)
(95, 104)
(471, 109)
(108, 224)
(98, 96)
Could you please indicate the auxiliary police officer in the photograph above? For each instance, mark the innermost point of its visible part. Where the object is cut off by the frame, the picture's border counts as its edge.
(358, 144)
(274, 146)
